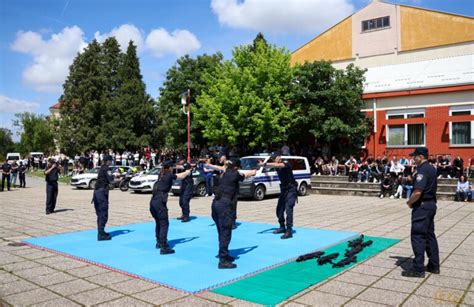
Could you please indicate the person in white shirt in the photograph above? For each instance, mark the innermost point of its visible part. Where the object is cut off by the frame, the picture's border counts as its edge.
(396, 169)
(463, 189)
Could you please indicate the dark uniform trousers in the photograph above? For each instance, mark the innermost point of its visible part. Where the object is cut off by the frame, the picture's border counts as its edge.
(51, 195)
(101, 205)
(234, 207)
(286, 203)
(185, 197)
(423, 237)
(224, 218)
(22, 180)
(7, 178)
(159, 211)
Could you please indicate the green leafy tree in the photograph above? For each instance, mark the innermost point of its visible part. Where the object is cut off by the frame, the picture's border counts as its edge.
(105, 104)
(36, 133)
(6, 142)
(171, 128)
(330, 102)
(245, 103)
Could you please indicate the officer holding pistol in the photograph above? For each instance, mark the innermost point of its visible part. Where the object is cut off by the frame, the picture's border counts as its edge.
(423, 205)
(51, 177)
(187, 190)
(223, 211)
(158, 202)
(288, 194)
(101, 198)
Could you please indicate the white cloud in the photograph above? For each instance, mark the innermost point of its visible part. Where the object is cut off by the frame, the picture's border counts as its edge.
(281, 16)
(124, 34)
(51, 58)
(179, 42)
(12, 105)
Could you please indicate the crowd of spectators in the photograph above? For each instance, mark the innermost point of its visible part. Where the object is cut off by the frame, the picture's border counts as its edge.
(395, 175)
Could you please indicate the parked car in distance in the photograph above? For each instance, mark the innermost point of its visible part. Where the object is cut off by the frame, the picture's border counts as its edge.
(88, 179)
(13, 156)
(199, 184)
(267, 182)
(144, 182)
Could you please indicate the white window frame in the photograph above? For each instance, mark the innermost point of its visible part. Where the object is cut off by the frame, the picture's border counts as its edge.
(461, 109)
(405, 140)
(451, 132)
(405, 113)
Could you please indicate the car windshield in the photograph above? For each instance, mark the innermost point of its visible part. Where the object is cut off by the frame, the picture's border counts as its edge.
(155, 171)
(251, 163)
(94, 170)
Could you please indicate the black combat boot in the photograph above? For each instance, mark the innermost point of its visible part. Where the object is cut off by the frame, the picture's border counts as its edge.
(288, 234)
(230, 258)
(165, 249)
(226, 264)
(185, 219)
(432, 270)
(103, 236)
(282, 229)
(180, 218)
(413, 273)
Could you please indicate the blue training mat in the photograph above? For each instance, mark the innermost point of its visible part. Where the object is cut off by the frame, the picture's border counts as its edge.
(193, 268)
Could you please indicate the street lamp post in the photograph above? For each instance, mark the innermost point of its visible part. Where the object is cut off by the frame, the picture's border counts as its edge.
(186, 100)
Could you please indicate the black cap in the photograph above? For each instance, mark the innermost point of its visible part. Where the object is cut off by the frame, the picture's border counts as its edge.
(167, 163)
(275, 154)
(420, 151)
(234, 162)
(107, 158)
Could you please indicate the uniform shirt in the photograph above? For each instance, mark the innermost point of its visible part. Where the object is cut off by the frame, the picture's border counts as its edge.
(286, 174)
(22, 169)
(426, 181)
(164, 183)
(53, 175)
(189, 179)
(229, 183)
(6, 168)
(104, 178)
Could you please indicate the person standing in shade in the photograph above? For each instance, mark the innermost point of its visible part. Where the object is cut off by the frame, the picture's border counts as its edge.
(22, 175)
(423, 205)
(187, 190)
(6, 171)
(51, 176)
(101, 198)
(288, 195)
(158, 205)
(223, 211)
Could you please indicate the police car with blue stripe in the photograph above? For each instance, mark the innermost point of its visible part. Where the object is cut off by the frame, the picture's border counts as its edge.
(266, 181)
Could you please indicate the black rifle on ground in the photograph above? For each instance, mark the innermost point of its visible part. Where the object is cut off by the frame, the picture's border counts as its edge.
(357, 249)
(356, 242)
(345, 261)
(309, 256)
(327, 259)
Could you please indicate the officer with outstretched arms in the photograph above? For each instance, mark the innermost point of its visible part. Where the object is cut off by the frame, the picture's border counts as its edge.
(288, 194)
(222, 210)
(101, 198)
(423, 205)
(187, 189)
(51, 177)
(158, 202)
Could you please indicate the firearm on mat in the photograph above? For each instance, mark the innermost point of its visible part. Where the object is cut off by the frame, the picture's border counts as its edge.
(357, 249)
(327, 259)
(356, 242)
(309, 256)
(345, 262)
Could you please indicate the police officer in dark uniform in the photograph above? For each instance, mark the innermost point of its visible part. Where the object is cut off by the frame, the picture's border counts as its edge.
(158, 207)
(101, 198)
(186, 191)
(423, 205)
(51, 177)
(6, 171)
(22, 174)
(288, 195)
(222, 211)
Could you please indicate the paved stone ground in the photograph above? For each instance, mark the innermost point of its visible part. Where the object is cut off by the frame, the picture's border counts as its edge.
(33, 277)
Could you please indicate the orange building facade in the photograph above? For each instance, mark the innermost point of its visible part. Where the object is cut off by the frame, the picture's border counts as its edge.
(419, 88)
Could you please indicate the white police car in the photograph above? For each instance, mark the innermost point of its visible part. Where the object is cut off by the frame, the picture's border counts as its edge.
(144, 182)
(266, 181)
(88, 180)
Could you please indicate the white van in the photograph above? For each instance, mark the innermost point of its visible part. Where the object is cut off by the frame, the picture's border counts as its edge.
(13, 156)
(266, 181)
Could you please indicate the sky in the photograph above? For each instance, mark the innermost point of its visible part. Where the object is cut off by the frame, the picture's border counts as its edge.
(40, 38)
